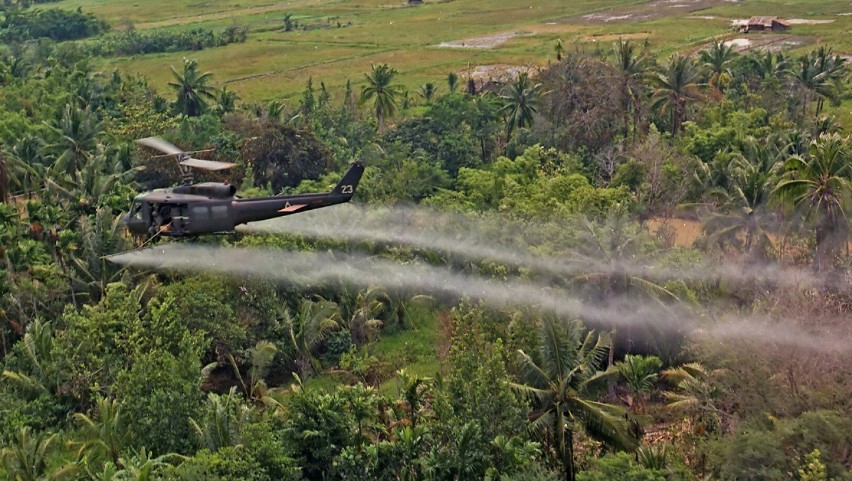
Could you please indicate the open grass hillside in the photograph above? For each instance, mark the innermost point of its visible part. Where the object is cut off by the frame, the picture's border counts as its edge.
(338, 40)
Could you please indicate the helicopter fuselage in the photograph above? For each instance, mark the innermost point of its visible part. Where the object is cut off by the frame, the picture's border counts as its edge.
(210, 207)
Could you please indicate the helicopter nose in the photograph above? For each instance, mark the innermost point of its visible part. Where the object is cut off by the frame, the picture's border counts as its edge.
(133, 225)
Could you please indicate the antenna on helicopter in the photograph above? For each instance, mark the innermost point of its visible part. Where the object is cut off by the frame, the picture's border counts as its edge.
(185, 160)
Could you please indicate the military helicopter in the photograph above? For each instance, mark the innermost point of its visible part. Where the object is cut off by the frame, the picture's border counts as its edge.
(193, 209)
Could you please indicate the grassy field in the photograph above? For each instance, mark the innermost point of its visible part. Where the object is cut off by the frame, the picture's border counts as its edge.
(274, 64)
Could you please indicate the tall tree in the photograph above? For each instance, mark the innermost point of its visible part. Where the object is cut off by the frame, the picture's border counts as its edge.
(819, 187)
(385, 93)
(634, 68)
(193, 89)
(520, 103)
(717, 60)
(819, 76)
(5, 189)
(674, 87)
(559, 378)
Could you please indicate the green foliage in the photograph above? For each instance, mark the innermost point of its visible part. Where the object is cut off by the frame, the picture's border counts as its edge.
(192, 88)
(229, 463)
(524, 187)
(27, 459)
(320, 426)
(159, 393)
(812, 469)
(103, 438)
(196, 306)
(136, 42)
(640, 372)
(221, 421)
(55, 24)
(382, 91)
(96, 341)
(281, 155)
(774, 450)
(476, 404)
(619, 466)
(558, 380)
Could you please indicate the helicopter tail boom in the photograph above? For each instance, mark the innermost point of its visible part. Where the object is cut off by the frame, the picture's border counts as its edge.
(251, 210)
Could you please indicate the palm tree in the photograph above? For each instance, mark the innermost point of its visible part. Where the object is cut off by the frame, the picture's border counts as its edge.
(274, 110)
(380, 87)
(192, 89)
(819, 76)
(566, 365)
(752, 176)
(86, 189)
(640, 372)
(78, 132)
(771, 68)
(5, 188)
(634, 68)
(520, 103)
(611, 248)
(106, 437)
(362, 312)
(676, 86)
(45, 375)
(307, 329)
(101, 234)
(819, 186)
(26, 459)
(142, 467)
(261, 356)
(26, 163)
(223, 416)
(696, 393)
(427, 91)
(414, 389)
(716, 60)
(452, 81)
(226, 100)
(612, 253)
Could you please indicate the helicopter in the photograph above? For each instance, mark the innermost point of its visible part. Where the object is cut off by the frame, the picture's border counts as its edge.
(192, 209)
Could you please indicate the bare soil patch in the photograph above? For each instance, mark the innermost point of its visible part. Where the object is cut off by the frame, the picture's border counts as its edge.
(740, 22)
(684, 231)
(769, 42)
(488, 41)
(651, 10)
(807, 21)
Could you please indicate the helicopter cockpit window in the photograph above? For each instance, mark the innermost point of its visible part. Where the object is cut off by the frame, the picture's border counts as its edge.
(136, 211)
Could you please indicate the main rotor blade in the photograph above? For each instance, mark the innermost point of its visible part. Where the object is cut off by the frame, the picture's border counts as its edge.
(159, 144)
(207, 164)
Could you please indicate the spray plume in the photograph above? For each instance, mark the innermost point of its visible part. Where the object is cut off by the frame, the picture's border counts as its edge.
(306, 268)
(505, 241)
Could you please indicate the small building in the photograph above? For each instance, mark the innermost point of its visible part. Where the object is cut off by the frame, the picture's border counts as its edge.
(761, 23)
